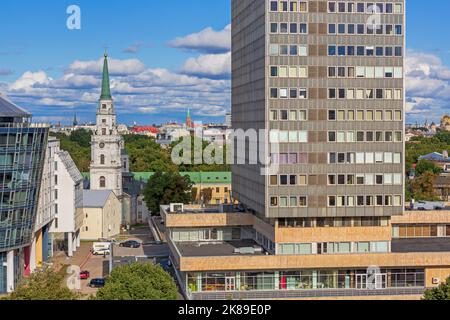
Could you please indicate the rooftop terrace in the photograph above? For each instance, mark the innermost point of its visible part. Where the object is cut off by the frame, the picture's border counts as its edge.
(219, 249)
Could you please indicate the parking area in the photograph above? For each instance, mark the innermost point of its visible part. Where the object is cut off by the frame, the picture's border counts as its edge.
(98, 266)
(148, 249)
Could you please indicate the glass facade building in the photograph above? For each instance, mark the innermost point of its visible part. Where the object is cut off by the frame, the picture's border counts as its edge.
(22, 151)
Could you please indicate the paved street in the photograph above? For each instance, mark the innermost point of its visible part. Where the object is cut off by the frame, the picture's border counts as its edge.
(144, 236)
(96, 265)
(99, 266)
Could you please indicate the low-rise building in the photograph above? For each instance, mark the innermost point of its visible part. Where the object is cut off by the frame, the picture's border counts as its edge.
(101, 215)
(442, 160)
(227, 253)
(219, 183)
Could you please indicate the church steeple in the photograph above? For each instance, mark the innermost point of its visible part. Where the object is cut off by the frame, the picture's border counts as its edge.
(106, 91)
(188, 119)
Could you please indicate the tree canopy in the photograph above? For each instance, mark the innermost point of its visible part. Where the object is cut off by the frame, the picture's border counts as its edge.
(145, 154)
(421, 188)
(427, 166)
(440, 293)
(420, 146)
(138, 281)
(166, 188)
(207, 149)
(45, 284)
(78, 146)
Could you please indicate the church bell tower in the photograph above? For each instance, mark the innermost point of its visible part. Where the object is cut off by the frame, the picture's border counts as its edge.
(107, 143)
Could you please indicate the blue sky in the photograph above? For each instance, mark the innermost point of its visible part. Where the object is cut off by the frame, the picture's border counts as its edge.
(168, 58)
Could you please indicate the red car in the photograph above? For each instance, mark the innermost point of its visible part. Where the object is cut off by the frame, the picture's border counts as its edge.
(84, 275)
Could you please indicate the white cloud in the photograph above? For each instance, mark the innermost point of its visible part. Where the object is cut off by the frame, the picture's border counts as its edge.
(213, 65)
(116, 67)
(28, 80)
(139, 91)
(207, 40)
(427, 86)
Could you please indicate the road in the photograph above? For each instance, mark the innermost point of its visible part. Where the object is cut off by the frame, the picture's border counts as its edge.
(99, 266)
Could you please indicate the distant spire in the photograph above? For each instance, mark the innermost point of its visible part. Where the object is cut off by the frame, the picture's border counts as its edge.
(75, 121)
(188, 118)
(106, 91)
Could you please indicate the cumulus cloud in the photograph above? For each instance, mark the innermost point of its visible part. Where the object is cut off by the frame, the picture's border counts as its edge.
(206, 41)
(116, 67)
(211, 65)
(136, 88)
(427, 85)
(28, 80)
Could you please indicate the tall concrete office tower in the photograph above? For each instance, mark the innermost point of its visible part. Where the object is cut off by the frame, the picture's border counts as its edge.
(326, 78)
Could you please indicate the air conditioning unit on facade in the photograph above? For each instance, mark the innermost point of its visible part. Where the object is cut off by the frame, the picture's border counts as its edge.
(436, 281)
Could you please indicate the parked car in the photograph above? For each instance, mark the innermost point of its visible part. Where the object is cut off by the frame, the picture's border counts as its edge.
(101, 252)
(84, 275)
(97, 283)
(101, 248)
(130, 244)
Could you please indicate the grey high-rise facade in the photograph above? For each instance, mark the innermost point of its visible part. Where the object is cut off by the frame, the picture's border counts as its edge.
(326, 78)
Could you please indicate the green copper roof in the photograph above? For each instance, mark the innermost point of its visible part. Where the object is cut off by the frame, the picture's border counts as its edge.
(106, 91)
(196, 177)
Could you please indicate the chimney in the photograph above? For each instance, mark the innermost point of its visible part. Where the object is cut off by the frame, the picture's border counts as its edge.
(445, 154)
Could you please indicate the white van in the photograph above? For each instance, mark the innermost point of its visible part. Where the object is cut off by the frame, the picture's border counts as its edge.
(101, 248)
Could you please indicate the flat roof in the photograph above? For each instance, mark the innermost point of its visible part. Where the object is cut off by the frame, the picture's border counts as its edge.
(206, 249)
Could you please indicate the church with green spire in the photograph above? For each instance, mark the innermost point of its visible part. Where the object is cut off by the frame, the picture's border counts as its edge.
(106, 90)
(107, 143)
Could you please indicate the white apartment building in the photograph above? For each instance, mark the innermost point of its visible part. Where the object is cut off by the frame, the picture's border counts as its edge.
(68, 194)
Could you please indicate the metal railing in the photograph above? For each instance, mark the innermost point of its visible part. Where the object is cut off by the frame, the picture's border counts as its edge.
(298, 294)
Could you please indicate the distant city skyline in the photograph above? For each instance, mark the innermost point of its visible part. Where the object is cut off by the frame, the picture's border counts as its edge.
(164, 62)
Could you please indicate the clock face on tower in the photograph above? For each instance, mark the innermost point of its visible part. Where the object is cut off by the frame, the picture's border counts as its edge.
(102, 145)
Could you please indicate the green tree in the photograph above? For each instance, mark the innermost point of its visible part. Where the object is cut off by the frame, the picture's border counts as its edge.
(44, 284)
(81, 137)
(146, 155)
(194, 194)
(440, 293)
(166, 188)
(427, 166)
(422, 187)
(78, 147)
(204, 167)
(206, 196)
(138, 281)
